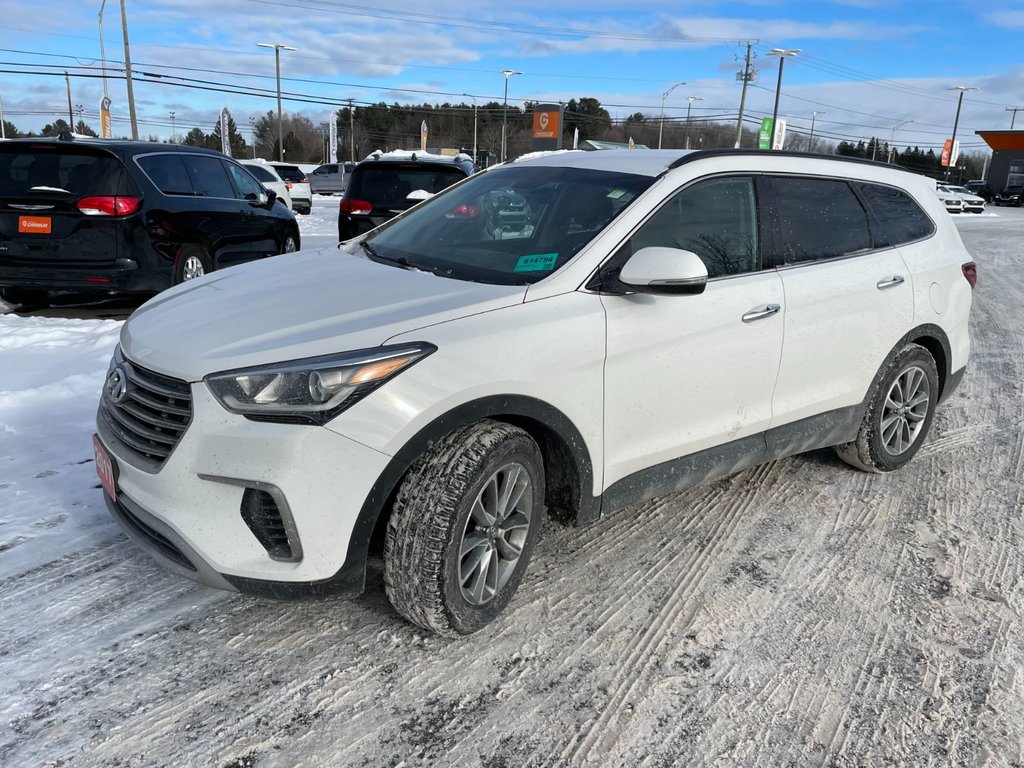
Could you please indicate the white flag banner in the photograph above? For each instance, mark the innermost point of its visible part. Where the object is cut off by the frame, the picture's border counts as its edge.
(332, 139)
(225, 138)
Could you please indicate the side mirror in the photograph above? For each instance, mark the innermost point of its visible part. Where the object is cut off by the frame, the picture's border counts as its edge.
(418, 195)
(271, 196)
(665, 270)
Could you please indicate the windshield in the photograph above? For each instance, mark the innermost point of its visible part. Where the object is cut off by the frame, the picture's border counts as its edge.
(512, 226)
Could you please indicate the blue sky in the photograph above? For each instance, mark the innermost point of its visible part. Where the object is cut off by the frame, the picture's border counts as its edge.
(865, 66)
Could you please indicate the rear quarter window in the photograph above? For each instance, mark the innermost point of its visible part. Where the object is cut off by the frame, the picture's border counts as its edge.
(898, 217)
(168, 174)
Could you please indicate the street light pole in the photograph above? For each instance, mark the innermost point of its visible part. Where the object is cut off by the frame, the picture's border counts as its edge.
(892, 139)
(504, 112)
(103, 56)
(252, 132)
(956, 122)
(278, 47)
(689, 103)
(173, 133)
(661, 123)
(810, 141)
(782, 53)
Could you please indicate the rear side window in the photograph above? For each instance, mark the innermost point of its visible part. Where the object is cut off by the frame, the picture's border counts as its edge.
(819, 219)
(261, 173)
(208, 176)
(168, 173)
(27, 171)
(899, 219)
(716, 219)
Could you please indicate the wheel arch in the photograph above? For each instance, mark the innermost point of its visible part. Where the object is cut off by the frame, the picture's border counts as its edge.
(936, 342)
(568, 468)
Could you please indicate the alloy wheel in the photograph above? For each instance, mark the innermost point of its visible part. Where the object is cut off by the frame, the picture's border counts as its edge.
(192, 268)
(904, 410)
(492, 542)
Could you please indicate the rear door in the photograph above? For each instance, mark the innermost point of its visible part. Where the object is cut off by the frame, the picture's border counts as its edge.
(848, 299)
(57, 203)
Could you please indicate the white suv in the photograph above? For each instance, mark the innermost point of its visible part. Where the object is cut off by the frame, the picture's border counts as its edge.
(653, 320)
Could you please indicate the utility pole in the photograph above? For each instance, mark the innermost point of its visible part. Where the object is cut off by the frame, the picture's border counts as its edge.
(351, 132)
(128, 74)
(956, 123)
(71, 117)
(1013, 117)
(746, 76)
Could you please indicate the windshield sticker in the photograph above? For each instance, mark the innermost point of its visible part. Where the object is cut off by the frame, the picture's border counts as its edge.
(615, 194)
(537, 262)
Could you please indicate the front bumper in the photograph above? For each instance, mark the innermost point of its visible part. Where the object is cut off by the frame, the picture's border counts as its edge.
(188, 513)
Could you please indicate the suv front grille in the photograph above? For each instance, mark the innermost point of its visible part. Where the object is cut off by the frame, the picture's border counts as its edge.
(151, 415)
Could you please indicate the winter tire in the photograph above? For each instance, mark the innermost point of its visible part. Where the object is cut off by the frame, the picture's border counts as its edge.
(289, 244)
(899, 413)
(465, 521)
(192, 262)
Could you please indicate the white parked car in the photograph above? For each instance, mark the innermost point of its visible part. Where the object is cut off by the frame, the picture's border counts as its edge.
(970, 202)
(951, 200)
(298, 186)
(267, 176)
(659, 319)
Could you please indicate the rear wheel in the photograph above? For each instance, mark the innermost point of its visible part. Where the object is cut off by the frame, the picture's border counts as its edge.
(192, 262)
(899, 414)
(24, 298)
(466, 519)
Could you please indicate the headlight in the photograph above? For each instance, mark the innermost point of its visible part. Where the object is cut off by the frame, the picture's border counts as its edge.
(316, 389)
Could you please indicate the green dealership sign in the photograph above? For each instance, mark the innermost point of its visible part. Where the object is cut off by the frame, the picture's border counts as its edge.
(764, 138)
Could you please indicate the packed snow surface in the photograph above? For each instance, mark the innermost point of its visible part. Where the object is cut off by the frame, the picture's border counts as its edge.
(800, 613)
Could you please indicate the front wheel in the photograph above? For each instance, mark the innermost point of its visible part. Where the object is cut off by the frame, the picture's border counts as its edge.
(465, 521)
(898, 415)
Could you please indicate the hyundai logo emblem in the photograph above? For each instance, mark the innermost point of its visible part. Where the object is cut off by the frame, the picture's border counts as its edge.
(116, 387)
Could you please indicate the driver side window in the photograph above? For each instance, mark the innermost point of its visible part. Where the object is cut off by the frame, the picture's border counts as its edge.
(716, 219)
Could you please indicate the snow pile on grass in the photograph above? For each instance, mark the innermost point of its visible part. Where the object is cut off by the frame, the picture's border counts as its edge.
(51, 372)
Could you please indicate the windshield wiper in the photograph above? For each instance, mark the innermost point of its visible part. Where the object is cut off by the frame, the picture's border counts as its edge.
(401, 261)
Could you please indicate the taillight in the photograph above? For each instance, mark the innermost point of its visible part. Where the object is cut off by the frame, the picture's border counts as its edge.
(287, 185)
(354, 206)
(103, 205)
(970, 270)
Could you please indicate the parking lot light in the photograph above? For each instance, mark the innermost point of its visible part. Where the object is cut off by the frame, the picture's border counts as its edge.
(504, 112)
(782, 53)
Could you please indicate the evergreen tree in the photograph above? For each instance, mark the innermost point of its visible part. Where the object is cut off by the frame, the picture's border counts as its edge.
(11, 130)
(83, 129)
(195, 138)
(56, 128)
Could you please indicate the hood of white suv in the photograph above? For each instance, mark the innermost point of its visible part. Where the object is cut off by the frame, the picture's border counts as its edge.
(295, 306)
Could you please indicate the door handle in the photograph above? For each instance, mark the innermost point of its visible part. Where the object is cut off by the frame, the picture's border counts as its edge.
(891, 282)
(761, 314)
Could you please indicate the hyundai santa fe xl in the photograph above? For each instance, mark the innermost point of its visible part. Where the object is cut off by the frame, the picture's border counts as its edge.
(127, 216)
(565, 335)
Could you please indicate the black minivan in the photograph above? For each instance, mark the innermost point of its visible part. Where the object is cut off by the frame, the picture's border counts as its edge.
(127, 216)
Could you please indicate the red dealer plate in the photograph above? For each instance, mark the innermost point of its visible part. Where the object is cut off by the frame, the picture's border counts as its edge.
(106, 468)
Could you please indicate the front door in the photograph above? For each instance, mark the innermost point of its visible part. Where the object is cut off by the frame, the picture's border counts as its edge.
(689, 379)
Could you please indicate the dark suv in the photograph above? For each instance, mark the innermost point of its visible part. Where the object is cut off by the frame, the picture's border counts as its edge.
(1010, 196)
(127, 217)
(981, 188)
(384, 185)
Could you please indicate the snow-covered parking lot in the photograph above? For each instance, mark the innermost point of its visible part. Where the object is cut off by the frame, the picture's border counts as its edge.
(800, 613)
